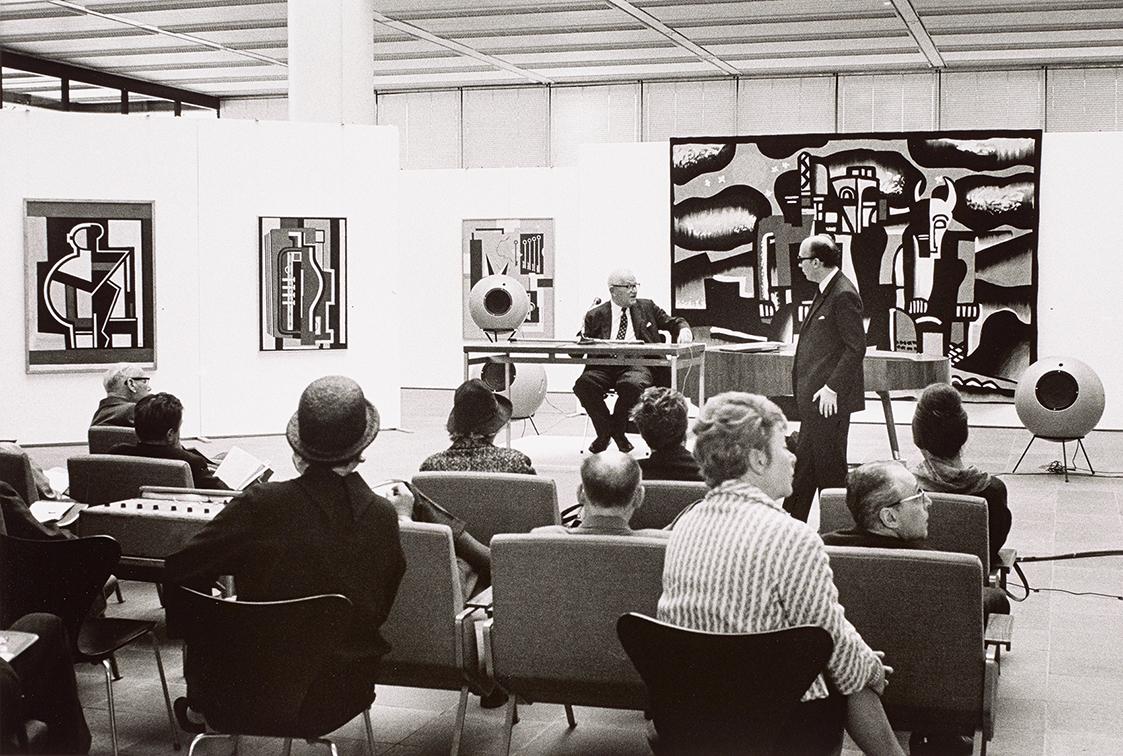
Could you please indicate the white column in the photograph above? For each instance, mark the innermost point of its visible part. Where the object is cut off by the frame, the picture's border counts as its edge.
(331, 61)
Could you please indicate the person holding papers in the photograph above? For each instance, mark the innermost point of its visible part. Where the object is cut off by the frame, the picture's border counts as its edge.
(624, 317)
(158, 418)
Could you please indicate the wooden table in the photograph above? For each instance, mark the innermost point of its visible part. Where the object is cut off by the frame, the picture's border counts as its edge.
(770, 373)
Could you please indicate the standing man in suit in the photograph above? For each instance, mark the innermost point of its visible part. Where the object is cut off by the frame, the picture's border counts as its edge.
(827, 374)
(624, 317)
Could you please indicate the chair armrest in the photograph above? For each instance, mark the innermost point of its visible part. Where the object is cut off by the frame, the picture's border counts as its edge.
(999, 631)
(467, 643)
(1000, 567)
(481, 600)
(990, 691)
(1006, 559)
(486, 653)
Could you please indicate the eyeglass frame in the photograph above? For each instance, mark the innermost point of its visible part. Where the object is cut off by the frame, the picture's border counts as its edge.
(624, 286)
(920, 494)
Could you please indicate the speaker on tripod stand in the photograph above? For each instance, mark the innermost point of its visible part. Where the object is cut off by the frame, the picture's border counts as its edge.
(1060, 399)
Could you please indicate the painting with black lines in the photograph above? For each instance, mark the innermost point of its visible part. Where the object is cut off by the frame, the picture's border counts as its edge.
(303, 283)
(89, 284)
(522, 248)
(937, 229)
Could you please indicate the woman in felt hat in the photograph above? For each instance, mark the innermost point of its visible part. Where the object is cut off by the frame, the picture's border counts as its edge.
(478, 413)
(939, 429)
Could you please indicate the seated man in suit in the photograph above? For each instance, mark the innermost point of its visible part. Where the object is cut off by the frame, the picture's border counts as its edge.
(611, 491)
(623, 318)
(323, 532)
(125, 385)
(158, 419)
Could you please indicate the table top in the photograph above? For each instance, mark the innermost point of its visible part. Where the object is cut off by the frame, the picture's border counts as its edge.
(591, 347)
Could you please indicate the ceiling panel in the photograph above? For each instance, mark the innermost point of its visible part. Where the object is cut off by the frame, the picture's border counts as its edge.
(569, 41)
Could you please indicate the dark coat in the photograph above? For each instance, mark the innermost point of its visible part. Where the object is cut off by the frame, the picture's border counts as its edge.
(832, 345)
(647, 319)
(114, 410)
(320, 533)
(674, 463)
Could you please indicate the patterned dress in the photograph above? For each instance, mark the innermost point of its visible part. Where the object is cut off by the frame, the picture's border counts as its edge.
(474, 454)
(738, 563)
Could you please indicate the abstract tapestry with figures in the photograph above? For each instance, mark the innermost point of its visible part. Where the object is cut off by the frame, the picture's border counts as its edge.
(89, 285)
(303, 283)
(937, 229)
(522, 248)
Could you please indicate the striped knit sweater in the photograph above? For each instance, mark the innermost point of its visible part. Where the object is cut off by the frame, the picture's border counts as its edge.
(738, 563)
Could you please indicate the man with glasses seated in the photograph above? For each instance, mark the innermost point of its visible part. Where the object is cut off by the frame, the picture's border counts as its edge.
(625, 317)
(891, 512)
(125, 385)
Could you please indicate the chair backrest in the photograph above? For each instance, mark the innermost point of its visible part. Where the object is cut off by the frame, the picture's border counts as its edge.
(57, 577)
(491, 503)
(556, 602)
(102, 478)
(252, 662)
(102, 438)
(421, 626)
(15, 470)
(956, 523)
(664, 499)
(722, 693)
(924, 610)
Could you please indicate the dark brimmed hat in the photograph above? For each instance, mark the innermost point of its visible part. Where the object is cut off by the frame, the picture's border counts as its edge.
(477, 409)
(334, 421)
(940, 424)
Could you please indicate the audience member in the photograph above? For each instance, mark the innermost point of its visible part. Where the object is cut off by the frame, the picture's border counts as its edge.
(125, 385)
(738, 563)
(611, 491)
(43, 487)
(625, 317)
(478, 413)
(939, 429)
(39, 684)
(661, 418)
(16, 519)
(890, 511)
(323, 532)
(158, 420)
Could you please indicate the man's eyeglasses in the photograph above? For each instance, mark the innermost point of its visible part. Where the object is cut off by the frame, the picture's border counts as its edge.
(144, 378)
(919, 495)
(624, 286)
(802, 258)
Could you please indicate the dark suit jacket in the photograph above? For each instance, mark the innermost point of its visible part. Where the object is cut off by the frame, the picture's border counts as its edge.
(647, 319)
(16, 519)
(113, 410)
(832, 345)
(200, 465)
(319, 533)
(675, 463)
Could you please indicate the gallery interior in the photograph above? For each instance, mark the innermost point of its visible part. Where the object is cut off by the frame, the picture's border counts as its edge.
(160, 161)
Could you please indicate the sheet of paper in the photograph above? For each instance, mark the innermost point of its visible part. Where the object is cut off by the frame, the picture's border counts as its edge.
(239, 468)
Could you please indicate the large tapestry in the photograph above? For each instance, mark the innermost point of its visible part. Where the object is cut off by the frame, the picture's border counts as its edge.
(303, 283)
(89, 284)
(938, 231)
(522, 248)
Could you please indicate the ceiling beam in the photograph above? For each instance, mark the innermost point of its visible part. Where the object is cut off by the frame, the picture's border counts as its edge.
(678, 38)
(449, 44)
(79, 8)
(919, 34)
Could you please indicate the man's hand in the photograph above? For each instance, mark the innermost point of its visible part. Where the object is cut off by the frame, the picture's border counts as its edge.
(685, 336)
(828, 401)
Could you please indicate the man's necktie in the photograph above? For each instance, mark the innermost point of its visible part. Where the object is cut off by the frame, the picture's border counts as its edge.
(623, 329)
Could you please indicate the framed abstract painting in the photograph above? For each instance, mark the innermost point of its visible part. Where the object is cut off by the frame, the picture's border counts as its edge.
(89, 284)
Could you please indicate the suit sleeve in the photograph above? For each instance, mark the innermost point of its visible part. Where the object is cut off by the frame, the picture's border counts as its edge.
(665, 322)
(589, 328)
(847, 311)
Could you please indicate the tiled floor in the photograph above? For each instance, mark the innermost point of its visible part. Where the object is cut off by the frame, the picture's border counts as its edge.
(1061, 690)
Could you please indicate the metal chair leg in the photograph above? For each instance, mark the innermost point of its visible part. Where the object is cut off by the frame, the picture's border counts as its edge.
(458, 728)
(569, 716)
(1024, 454)
(112, 712)
(508, 725)
(117, 590)
(288, 747)
(370, 730)
(164, 686)
(201, 737)
(113, 667)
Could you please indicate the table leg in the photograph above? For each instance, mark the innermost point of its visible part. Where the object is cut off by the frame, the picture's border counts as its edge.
(507, 391)
(890, 426)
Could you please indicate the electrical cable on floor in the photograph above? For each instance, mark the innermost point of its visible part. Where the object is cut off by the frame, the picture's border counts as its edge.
(1025, 586)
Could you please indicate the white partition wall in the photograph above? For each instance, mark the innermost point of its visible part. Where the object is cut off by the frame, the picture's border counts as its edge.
(209, 180)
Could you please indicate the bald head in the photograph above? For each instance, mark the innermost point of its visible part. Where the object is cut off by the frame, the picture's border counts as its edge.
(622, 286)
(610, 480)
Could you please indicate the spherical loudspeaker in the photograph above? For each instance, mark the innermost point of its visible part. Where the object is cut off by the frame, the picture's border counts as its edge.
(1059, 397)
(528, 385)
(498, 303)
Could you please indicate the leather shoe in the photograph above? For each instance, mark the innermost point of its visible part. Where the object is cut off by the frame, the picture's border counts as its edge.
(623, 444)
(187, 724)
(494, 699)
(600, 443)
